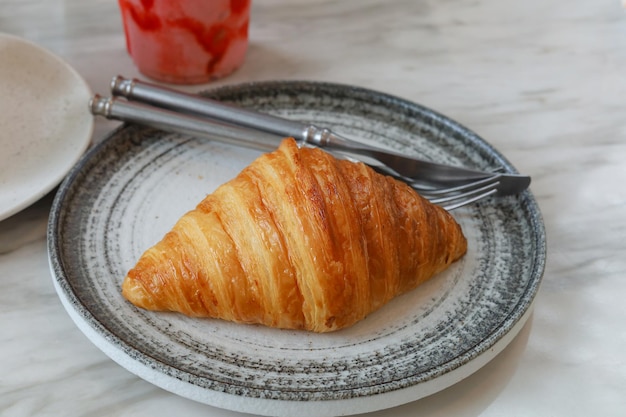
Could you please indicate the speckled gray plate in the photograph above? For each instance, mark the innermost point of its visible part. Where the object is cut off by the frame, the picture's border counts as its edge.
(129, 190)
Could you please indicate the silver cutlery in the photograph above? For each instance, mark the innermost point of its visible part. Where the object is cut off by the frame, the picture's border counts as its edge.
(171, 110)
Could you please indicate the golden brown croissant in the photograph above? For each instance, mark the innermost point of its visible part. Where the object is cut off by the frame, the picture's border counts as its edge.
(297, 240)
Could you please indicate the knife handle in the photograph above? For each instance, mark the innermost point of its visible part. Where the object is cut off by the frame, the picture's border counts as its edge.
(136, 90)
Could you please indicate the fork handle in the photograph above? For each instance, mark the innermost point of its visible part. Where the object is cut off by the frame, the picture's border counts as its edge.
(119, 109)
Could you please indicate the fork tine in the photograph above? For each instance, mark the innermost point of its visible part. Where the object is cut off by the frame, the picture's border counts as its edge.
(472, 185)
(471, 198)
(455, 197)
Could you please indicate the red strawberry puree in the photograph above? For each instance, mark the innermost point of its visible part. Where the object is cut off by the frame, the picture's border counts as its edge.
(186, 41)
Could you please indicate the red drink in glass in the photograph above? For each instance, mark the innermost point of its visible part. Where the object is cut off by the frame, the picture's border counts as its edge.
(186, 41)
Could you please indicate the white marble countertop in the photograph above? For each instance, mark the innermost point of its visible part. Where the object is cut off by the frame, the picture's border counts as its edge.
(543, 81)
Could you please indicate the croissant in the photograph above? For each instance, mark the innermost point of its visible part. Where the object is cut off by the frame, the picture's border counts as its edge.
(298, 240)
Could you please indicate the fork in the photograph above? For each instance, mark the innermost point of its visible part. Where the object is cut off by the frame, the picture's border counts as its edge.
(448, 196)
(448, 186)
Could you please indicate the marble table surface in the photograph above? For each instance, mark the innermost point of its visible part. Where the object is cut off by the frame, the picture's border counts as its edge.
(543, 81)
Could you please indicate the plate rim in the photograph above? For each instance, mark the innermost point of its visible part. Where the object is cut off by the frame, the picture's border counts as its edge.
(500, 337)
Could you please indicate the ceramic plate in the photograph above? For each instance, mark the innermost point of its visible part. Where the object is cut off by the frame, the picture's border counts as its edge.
(45, 125)
(130, 189)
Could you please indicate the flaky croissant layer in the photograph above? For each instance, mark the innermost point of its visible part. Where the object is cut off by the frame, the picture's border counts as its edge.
(298, 240)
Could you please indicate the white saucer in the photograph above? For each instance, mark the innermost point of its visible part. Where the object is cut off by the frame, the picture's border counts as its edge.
(45, 124)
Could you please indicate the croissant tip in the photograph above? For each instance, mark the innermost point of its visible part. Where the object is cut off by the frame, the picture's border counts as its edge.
(135, 293)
